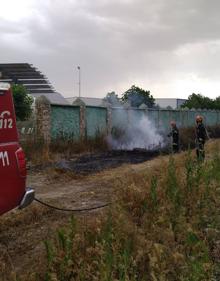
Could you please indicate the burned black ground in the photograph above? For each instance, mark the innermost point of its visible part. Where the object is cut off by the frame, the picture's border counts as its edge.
(92, 163)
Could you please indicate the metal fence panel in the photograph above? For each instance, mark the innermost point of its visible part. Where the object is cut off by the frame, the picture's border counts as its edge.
(154, 116)
(135, 115)
(65, 122)
(120, 117)
(96, 121)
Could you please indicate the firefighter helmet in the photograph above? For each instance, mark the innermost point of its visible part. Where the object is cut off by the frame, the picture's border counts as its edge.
(199, 118)
(172, 123)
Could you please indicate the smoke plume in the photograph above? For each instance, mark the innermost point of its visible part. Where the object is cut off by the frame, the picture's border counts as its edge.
(141, 135)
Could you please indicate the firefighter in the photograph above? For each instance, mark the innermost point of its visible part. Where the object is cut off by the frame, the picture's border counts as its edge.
(174, 134)
(201, 135)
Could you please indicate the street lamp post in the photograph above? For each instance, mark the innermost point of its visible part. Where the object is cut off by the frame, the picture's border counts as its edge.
(78, 67)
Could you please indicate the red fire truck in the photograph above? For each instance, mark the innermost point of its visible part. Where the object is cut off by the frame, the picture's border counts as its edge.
(13, 190)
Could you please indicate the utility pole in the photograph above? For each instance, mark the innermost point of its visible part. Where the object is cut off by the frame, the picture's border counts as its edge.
(78, 67)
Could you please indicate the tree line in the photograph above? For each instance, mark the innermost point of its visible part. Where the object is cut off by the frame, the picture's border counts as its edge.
(134, 96)
(137, 96)
(199, 101)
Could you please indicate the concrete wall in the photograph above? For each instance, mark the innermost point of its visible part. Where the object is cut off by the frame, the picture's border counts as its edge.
(79, 121)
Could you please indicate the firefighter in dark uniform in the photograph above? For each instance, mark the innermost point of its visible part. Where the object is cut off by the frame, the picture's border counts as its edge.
(201, 135)
(174, 134)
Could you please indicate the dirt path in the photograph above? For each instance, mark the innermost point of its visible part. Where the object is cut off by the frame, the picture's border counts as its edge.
(22, 232)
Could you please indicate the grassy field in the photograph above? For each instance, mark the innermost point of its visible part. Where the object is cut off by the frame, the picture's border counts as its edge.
(163, 224)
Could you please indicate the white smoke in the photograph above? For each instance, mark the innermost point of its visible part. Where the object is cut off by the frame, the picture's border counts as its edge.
(142, 134)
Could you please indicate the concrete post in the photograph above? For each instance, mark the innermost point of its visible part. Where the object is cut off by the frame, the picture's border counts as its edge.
(43, 118)
(82, 121)
(109, 120)
(158, 117)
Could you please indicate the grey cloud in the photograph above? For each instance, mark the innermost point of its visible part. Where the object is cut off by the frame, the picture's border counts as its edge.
(119, 42)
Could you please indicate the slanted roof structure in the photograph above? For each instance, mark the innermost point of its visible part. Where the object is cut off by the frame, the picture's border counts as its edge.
(99, 102)
(32, 79)
(174, 103)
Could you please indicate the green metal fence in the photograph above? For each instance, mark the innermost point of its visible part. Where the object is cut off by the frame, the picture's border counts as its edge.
(96, 121)
(65, 122)
(161, 118)
(120, 117)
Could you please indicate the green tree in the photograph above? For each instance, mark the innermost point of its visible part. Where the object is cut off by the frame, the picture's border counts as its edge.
(113, 99)
(22, 102)
(199, 101)
(217, 103)
(137, 96)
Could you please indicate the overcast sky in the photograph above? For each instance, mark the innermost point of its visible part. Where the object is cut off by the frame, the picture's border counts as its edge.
(170, 47)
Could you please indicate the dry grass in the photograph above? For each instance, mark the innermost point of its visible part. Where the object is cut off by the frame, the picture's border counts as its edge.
(164, 225)
(39, 152)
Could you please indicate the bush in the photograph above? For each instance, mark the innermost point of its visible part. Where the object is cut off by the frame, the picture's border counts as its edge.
(22, 102)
